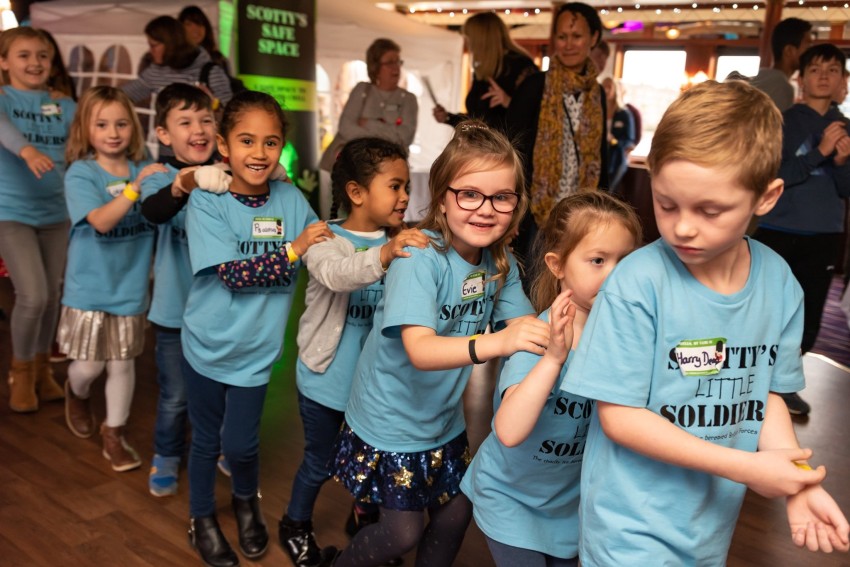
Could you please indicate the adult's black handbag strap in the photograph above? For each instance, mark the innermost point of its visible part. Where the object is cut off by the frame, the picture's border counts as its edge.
(205, 72)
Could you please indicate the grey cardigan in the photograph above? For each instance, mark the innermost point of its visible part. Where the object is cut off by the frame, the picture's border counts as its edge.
(335, 271)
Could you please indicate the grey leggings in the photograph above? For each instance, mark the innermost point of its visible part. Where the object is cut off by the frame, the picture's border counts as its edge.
(35, 258)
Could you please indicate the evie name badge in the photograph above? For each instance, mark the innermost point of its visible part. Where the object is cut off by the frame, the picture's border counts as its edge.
(267, 227)
(473, 286)
(701, 357)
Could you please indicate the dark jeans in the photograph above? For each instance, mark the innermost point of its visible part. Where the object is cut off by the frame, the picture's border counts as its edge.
(321, 426)
(171, 414)
(812, 259)
(509, 556)
(225, 420)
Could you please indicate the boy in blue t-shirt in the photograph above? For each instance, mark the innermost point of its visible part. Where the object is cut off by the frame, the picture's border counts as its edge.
(689, 344)
(185, 122)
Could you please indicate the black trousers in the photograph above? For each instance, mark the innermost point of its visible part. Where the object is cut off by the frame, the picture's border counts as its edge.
(812, 259)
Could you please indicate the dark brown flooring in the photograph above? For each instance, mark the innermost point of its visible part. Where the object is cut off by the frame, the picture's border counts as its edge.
(61, 504)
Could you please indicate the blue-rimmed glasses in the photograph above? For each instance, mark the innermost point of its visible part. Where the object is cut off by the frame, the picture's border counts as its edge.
(471, 200)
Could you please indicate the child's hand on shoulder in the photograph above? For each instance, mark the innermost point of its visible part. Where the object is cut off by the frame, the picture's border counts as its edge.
(526, 333)
(316, 232)
(147, 171)
(36, 161)
(213, 178)
(561, 316)
(775, 472)
(394, 248)
(816, 521)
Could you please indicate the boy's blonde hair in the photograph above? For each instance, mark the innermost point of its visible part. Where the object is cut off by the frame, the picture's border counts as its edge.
(79, 142)
(722, 125)
(572, 219)
(475, 147)
(8, 37)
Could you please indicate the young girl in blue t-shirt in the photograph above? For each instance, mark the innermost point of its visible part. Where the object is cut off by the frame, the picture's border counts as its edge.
(524, 480)
(404, 444)
(370, 181)
(33, 220)
(109, 255)
(244, 247)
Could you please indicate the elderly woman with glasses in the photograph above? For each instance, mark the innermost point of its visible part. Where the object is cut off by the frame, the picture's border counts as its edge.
(379, 108)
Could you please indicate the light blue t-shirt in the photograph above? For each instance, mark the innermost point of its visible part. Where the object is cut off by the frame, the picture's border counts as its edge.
(45, 122)
(105, 272)
(395, 407)
(172, 269)
(331, 388)
(658, 339)
(527, 496)
(234, 336)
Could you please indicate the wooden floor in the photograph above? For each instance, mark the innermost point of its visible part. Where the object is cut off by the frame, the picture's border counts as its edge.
(61, 504)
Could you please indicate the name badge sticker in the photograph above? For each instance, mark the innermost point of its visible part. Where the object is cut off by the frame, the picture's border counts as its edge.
(701, 357)
(473, 286)
(116, 187)
(267, 227)
(51, 109)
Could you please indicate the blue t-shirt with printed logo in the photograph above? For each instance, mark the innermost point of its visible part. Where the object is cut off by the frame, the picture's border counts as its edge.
(527, 496)
(394, 406)
(172, 269)
(658, 339)
(45, 123)
(234, 336)
(105, 272)
(332, 387)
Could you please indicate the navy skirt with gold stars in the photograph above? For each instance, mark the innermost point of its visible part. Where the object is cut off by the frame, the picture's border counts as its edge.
(400, 481)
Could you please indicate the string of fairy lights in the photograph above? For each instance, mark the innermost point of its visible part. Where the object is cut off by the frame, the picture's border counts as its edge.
(715, 7)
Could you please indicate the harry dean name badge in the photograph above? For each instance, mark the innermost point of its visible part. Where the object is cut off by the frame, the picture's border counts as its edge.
(473, 286)
(267, 227)
(701, 357)
(115, 187)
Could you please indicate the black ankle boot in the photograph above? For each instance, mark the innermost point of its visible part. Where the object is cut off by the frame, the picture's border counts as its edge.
(253, 535)
(206, 537)
(299, 541)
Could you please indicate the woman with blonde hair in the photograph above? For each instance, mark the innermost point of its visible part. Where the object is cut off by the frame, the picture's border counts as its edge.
(499, 66)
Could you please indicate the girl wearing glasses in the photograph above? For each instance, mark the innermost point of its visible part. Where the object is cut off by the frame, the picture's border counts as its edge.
(403, 444)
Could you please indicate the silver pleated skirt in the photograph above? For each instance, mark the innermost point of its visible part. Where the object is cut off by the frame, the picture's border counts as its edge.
(96, 335)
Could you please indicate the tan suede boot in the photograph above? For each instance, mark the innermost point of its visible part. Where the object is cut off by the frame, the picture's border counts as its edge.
(78, 414)
(45, 384)
(22, 396)
(117, 451)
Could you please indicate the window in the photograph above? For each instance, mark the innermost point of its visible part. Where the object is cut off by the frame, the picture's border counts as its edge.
(651, 81)
(114, 68)
(747, 65)
(81, 67)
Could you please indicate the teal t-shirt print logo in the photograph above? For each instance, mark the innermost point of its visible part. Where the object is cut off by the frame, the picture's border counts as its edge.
(701, 357)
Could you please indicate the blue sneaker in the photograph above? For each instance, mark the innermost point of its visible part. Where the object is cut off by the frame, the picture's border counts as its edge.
(162, 480)
(223, 467)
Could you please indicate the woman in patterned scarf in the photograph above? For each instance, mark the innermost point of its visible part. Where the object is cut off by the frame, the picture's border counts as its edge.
(558, 121)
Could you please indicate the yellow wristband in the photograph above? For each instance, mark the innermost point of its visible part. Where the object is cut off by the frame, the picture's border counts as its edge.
(290, 253)
(130, 193)
(216, 104)
(803, 466)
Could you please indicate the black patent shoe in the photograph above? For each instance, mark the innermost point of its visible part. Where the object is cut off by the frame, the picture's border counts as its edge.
(206, 537)
(253, 534)
(299, 541)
